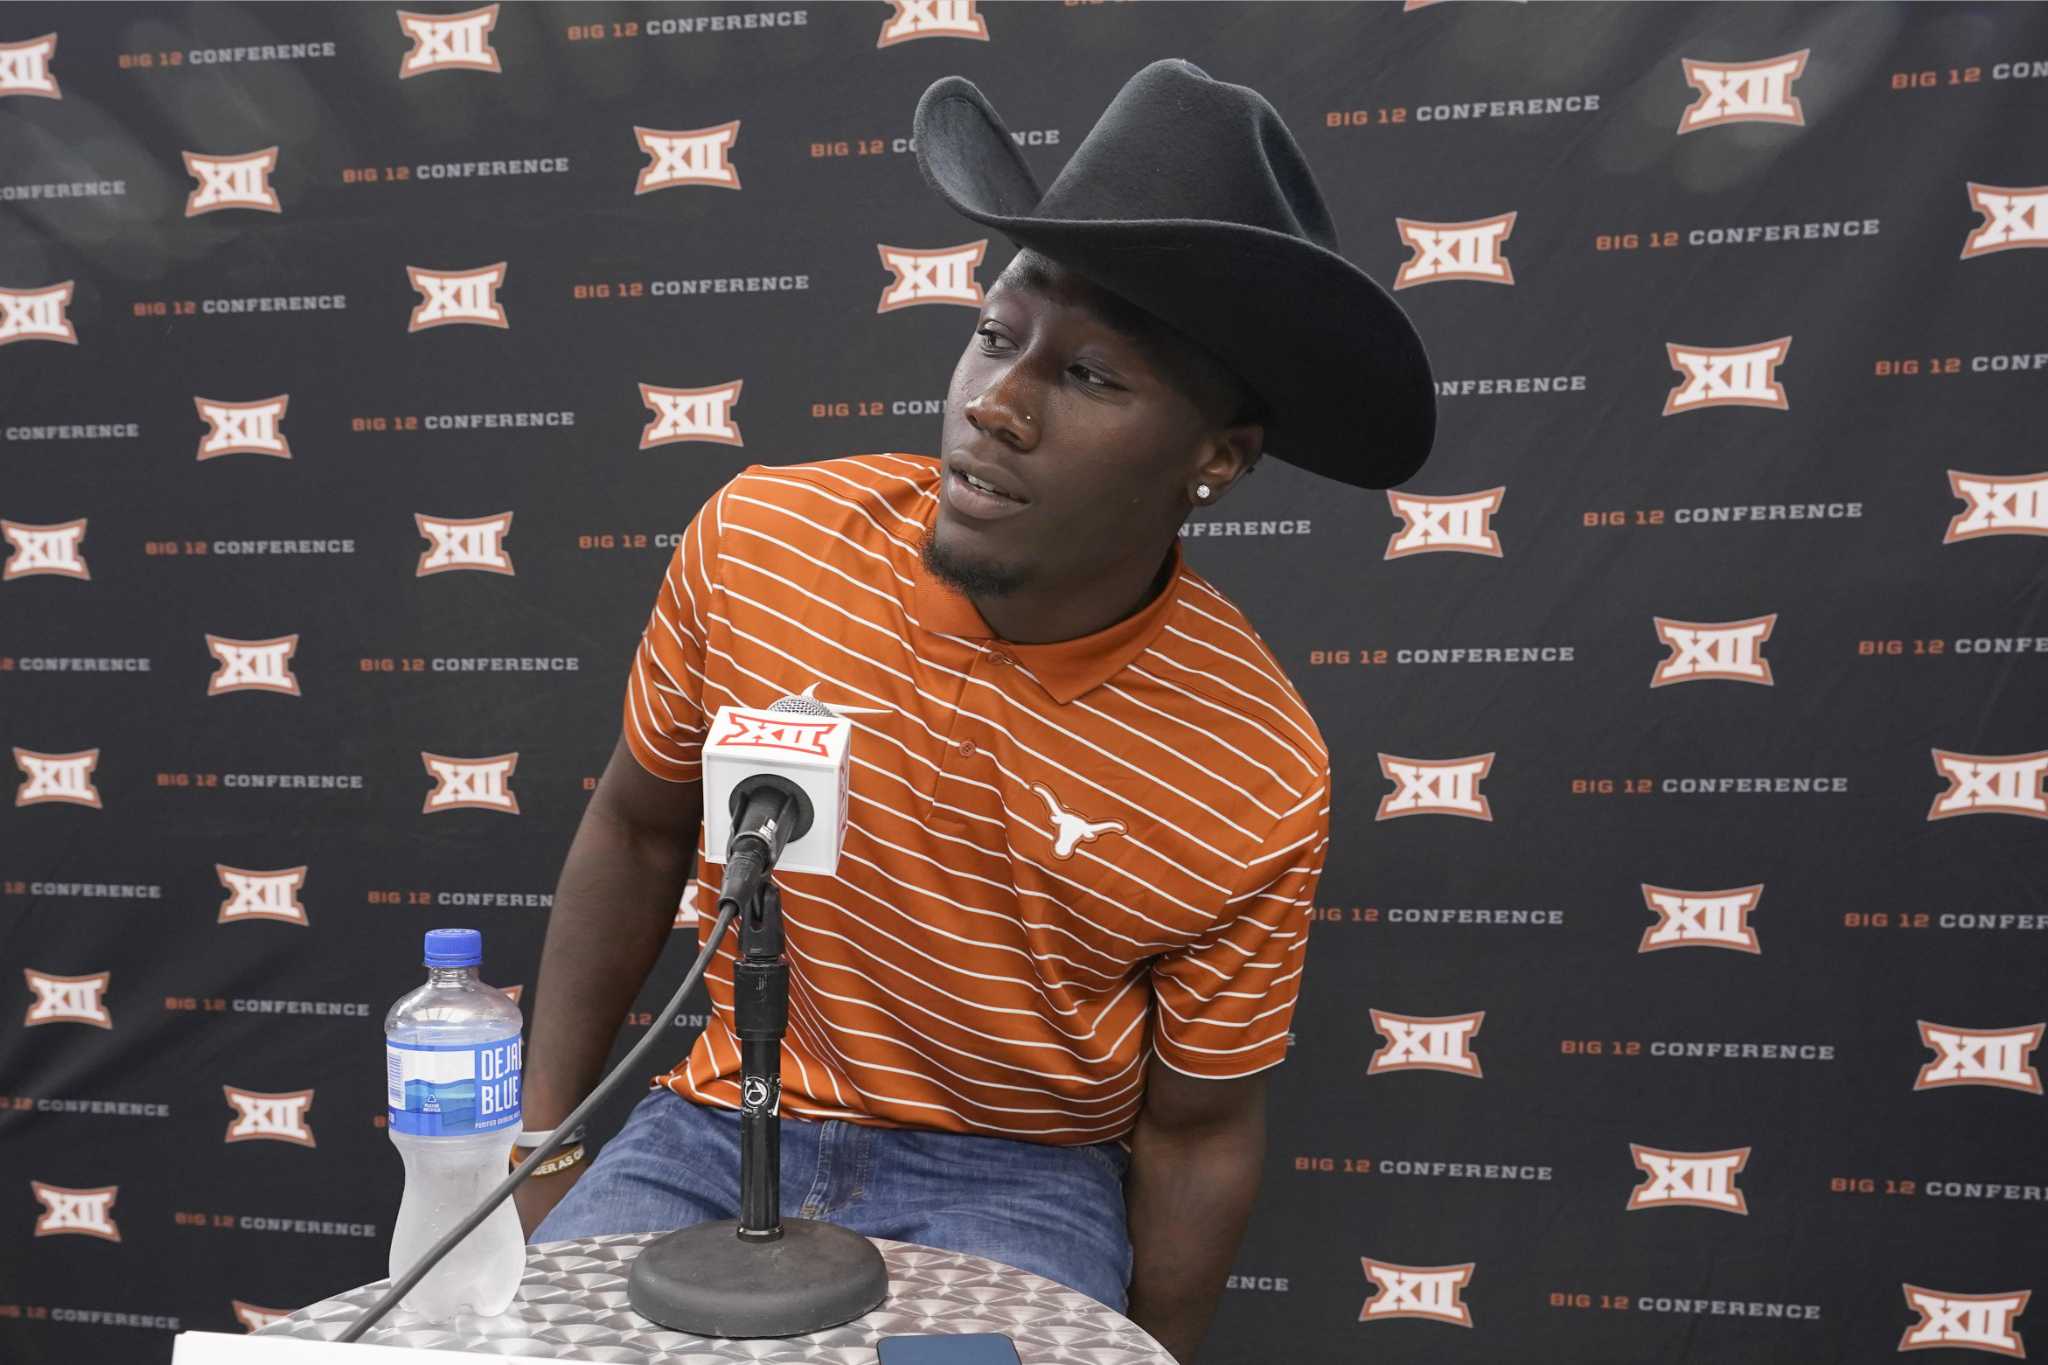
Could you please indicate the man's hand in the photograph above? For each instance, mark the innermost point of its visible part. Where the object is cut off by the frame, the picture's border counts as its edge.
(1196, 1159)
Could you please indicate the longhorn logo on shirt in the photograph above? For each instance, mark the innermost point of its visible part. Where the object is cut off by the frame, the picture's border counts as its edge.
(261, 1116)
(464, 543)
(796, 736)
(37, 314)
(2013, 218)
(1992, 784)
(1436, 786)
(25, 68)
(89, 1213)
(253, 665)
(449, 42)
(53, 548)
(471, 783)
(932, 19)
(254, 1319)
(1699, 1180)
(1416, 1042)
(942, 276)
(232, 182)
(2002, 1058)
(261, 895)
(691, 414)
(243, 428)
(1727, 376)
(457, 296)
(1418, 1291)
(1700, 919)
(1455, 251)
(1463, 523)
(1071, 830)
(1999, 505)
(68, 999)
(1703, 651)
(1743, 92)
(57, 777)
(1969, 1322)
(692, 156)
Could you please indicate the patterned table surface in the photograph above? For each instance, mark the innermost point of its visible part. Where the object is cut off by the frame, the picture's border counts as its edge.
(572, 1306)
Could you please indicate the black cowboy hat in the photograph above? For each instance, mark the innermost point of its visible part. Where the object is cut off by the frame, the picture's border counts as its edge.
(1191, 199)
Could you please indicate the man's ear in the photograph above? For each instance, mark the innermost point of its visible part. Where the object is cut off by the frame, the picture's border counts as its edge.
(1231, 456)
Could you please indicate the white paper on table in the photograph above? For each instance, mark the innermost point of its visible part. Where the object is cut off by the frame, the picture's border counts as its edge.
(239, 1348)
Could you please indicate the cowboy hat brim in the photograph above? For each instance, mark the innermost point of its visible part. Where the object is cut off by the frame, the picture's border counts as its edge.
(1334, 355)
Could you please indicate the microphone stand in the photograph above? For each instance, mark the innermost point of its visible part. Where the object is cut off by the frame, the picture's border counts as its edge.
(758, 1275)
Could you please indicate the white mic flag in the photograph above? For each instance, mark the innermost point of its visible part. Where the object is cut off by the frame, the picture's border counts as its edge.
(799, 739)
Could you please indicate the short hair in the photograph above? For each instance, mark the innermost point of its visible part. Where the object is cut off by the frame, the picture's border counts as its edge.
(1205, 380)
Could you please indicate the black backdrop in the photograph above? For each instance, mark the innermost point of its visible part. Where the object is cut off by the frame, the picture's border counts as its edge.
(1747, 395)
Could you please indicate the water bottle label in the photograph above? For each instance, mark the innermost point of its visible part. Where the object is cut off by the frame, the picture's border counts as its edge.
(452, 1089)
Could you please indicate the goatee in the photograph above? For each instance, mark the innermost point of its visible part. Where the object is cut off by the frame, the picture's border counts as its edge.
(969, 577)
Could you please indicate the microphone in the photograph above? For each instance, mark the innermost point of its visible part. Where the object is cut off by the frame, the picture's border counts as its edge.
(775, 791)
(768, 810)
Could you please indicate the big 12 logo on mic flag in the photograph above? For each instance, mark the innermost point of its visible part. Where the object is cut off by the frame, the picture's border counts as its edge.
(808, 745)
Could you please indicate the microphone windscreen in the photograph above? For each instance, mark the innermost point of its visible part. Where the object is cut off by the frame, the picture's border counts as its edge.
(803, 706)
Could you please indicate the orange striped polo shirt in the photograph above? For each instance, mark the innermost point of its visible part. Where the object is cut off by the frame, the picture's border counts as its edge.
(1059, 857)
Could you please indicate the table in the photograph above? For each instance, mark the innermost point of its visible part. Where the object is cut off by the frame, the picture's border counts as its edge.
(572, 1306)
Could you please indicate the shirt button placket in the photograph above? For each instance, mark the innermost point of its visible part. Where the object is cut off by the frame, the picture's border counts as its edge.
(954, 753)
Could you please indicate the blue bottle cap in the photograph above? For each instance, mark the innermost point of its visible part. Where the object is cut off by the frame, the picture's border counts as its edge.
(454, 948)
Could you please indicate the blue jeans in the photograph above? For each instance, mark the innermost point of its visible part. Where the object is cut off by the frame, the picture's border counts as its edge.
(1055, 1211)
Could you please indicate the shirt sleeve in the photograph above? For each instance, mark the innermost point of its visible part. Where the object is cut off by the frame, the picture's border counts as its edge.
(1223, 1003)
(664, 702)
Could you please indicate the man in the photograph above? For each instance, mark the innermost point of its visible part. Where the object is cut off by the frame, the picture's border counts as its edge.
(1031, 1014)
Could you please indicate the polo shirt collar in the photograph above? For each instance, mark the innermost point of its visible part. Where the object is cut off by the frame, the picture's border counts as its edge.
(1066, 669)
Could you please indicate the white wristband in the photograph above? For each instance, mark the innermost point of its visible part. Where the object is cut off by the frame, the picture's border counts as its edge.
(530, 1138)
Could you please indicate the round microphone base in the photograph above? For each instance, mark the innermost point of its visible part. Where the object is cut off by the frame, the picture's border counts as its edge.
(708, 1281)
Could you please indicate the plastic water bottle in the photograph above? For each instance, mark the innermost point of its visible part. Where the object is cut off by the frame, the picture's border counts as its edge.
(451, 1057)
